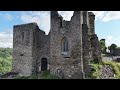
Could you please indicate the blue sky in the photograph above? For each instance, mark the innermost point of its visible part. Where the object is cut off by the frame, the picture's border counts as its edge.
(107, 24)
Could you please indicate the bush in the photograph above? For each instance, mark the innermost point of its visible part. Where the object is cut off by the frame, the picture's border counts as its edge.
(43, 75)
(5, 60)
(115, 66)
(47, 75)
(95, 73)
(27, 77)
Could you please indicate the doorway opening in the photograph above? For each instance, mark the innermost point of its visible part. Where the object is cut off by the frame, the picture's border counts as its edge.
(44, 64)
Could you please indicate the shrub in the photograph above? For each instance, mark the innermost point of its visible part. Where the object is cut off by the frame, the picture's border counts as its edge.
(95, 73)
(43, 75)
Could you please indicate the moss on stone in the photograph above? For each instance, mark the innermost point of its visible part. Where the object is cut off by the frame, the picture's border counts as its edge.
(95, 73)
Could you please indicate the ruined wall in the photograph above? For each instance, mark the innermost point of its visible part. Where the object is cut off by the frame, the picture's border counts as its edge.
(30, 46)
(43, 49)
(91, 23)
(39, 47)
(95, 46)
(86, 42)
(23, 49)
(96, 51)
(33, 45)
(67, 65)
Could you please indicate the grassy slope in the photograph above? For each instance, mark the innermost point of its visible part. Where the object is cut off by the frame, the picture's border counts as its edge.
(95, 73)
(6, 65)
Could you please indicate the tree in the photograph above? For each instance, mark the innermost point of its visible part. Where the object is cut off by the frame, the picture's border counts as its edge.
(103, 46)
(5, 60)
(112, 48)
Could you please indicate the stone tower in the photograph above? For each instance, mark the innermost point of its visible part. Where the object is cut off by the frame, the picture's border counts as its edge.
(66, 51)
(24, 44)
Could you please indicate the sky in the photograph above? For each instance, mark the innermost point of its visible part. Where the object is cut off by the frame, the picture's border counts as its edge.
(107, 24)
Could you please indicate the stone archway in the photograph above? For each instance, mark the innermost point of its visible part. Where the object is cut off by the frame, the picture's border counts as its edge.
(44, 64)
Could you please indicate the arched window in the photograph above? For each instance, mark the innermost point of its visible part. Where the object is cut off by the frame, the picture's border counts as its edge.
(65, 45)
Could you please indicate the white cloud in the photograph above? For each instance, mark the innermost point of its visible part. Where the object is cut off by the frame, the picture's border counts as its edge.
(99, 14)
(6, 38)
(112, 40)
(109, 37)
(42, 18)
(8, 16)
(111, 15)
(106, 16)
(66, 14)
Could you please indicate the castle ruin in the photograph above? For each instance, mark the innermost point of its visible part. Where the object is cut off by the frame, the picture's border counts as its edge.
(66, 51)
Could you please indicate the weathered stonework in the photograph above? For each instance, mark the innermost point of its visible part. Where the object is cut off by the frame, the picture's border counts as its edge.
(31, 47)
(107, 72)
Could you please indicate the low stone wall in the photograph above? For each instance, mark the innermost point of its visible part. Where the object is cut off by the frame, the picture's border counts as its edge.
(110, 58)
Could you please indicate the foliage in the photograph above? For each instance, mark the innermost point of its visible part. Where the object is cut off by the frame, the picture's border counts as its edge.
(115, 66)
(27, 77)
(118, 47)
(112, 47)
(5, 60)
(104, 55)
(47, 75)
(43, 75)
(95, 74)
(103, 46)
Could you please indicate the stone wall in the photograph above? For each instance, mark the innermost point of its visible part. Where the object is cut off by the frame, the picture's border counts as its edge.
(91, 23)
(96, 52)
(107, 72)
(33, 45)
(23, 49)
(86, 43)
(43, 50)
(95, 46)
(69, 64)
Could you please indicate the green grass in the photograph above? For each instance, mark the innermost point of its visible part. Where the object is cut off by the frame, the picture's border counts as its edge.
(44, 75)
(27, 77)
(115, 66)
(6, 66)
(47, 75)
(103, 55)
(97, 66)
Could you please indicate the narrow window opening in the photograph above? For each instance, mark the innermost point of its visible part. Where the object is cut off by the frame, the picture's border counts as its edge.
(23, 36)
(65, 46)
(61, 23)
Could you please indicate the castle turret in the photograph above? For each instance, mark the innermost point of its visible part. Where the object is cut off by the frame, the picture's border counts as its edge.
(23, 49)
(92, 22)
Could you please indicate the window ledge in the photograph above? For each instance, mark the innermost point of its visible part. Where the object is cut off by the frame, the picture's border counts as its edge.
(66, 54)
